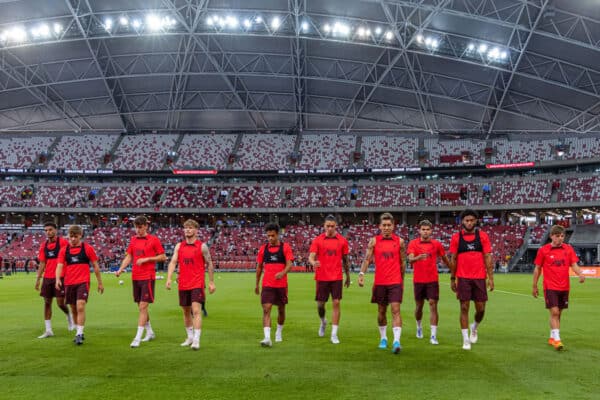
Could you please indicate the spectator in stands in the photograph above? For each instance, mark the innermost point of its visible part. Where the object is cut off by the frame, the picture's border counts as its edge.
(275, 258)
(77, 257)
(193, 257)
(553, 260)
(48, 255)
(144, 251)
(423, 253)
(328, 254)
(387, 250)
(471, 262)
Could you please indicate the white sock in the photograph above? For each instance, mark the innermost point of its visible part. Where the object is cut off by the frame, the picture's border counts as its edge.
(419, 324)
(279, 330)
(323, 320)
(555, 334)
(334, 330)
(148, 327)
(80, 329)
(197, 333)
(190, 331)
(140, 331)
(48, 324)
(267, 331)
(465, 334)
(383, 332)
(433, 330)
(397, 333)
(474, 326)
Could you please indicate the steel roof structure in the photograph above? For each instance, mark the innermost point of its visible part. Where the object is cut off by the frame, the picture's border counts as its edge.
(258, 65)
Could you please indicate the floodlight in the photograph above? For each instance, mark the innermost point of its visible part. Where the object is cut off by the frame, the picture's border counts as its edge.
(483, 48)
(17, 34)
(435, 43)
(305, 26)
(275, 23)
(258, 19)
(361, 31)
(327, 28)
(108, 23)
(123, 21)
(389, 35)
(378, 31)
(247, 23)
(153, 22)
(57, 28)
(420, 38)
(232, 22)
(471, 47)
(136, 23)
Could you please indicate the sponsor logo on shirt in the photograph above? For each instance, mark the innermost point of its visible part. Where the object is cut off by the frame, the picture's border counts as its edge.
(387, 255)
(273, 257)
(470, 247)
(331, 252)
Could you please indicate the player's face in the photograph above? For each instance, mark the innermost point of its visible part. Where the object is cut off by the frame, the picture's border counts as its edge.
(425, 232)
(386, 227)
(469, 223)
(189, 231)
(74, 239)
(141, 230)
(330, 228)
(50, 232)
(273, 237)
(557, 239)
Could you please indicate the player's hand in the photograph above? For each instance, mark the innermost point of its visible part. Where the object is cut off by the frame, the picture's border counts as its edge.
(256, 290)
(347, 283)
(422, 256)
(361, 280)
(100, 288)
(58, 284)
(141, 261)
(168, 284)
(316, 264)
(453, 286)
(581, 278)
(37, 285)
(535, 292)
(211, 287)
(491, 284)
(118, 273)
(279, 275)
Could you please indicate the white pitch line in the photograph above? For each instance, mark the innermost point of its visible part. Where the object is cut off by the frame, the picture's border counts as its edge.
(516, 294)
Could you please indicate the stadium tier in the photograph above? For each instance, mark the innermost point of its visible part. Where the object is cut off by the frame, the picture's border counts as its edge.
(276, 151)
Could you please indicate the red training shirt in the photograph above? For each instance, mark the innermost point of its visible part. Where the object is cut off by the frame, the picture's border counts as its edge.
(471, 265)
(555, 263)
(425, 271)
(142, 247)
(191, 265)
(271, 269)
(329, 251)
(51, 263)
(387, 260)
(77, 273)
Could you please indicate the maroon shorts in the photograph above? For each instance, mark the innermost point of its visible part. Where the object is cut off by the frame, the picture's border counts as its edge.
(274, 295)
(427, 291)
(79, 291)
(324, 288)
(556, 298)
(386, 294)
(187, 297)
(48, 289)
(471, 289)
(143, 291)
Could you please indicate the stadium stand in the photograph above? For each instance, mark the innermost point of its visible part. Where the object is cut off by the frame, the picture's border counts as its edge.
(455, 152)
(23, 151)
(264, 152)
(142, 152)
(81, 151)
(326, 151)
(205, 151)
(389, 151)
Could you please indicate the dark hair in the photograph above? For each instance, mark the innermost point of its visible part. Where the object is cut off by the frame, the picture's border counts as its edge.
(468, 212)
(425, 222)
(330, 217)
(386, 216)
(50, 223)
(557, 230)
(140, 220)
(272, 227)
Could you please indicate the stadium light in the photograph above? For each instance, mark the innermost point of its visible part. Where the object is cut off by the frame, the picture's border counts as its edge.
(258, 20)
(368, 32)
(17, 34)
(482, 48)
(361, 32)
(275, 23)
(57, 28)
(305, 26)
(327, 28)
(428, 41)
(471, 47)
(123, 21)
(209, 21)
(378, 31)
(136, 23)
(420, 38)
(231, 21)
(435, 43)
(389, 35)
(108, 23)
(247, 23)
(504, 55)
(153, 22)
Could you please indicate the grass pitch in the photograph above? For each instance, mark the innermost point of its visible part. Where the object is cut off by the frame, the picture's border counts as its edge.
(510, 361)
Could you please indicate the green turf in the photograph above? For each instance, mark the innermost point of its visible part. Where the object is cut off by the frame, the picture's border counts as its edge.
(511, 360)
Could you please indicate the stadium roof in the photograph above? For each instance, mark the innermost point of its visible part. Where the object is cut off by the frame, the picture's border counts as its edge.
(480, 66)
